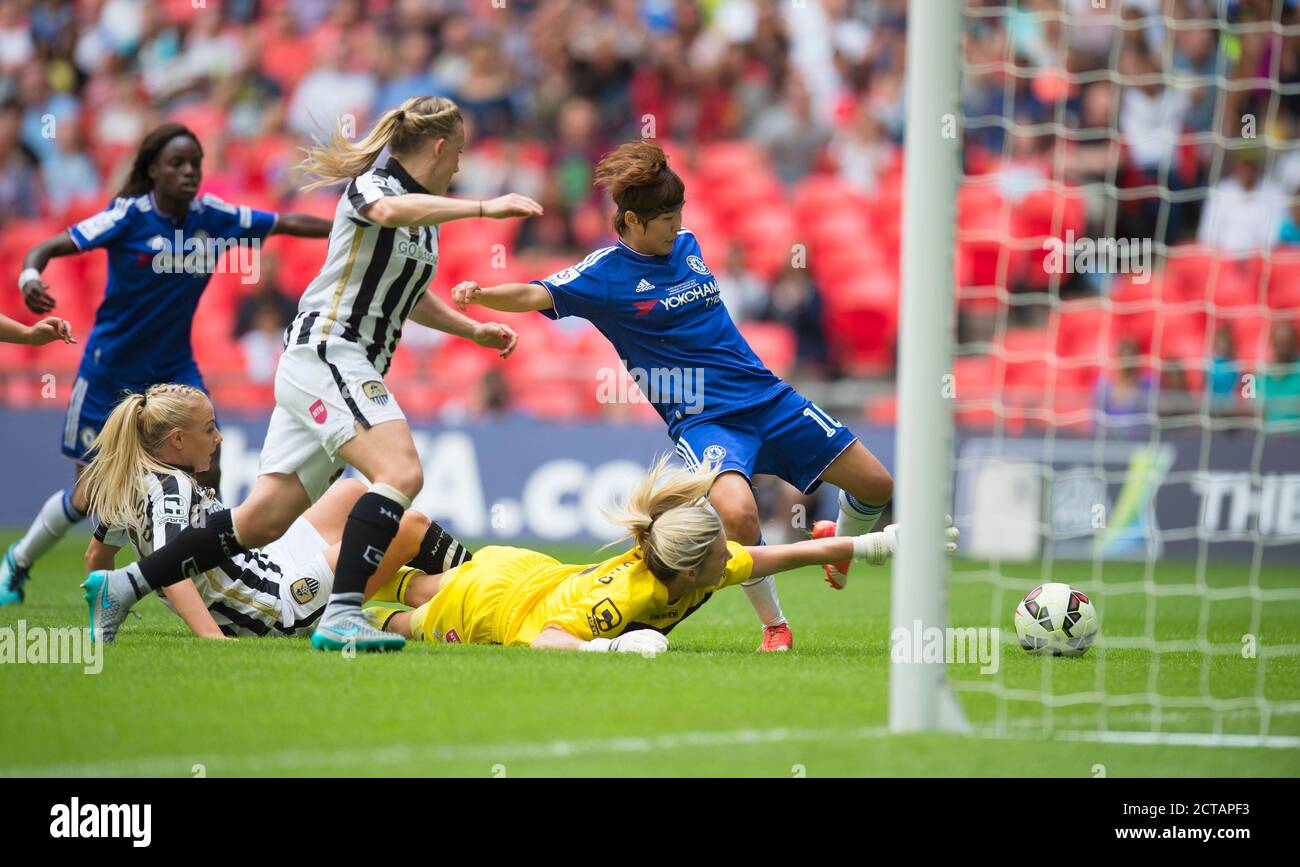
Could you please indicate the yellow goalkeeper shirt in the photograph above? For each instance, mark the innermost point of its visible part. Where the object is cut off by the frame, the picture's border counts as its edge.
(509, 595)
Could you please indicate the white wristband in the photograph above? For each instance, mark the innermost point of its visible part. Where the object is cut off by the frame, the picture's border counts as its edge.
(27, 275)
(596, 645)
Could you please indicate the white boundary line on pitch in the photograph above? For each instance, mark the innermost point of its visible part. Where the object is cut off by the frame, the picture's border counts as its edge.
(1184, 739)
(427, 757)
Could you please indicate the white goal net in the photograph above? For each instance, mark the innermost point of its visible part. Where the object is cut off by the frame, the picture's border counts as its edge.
(1126, 386)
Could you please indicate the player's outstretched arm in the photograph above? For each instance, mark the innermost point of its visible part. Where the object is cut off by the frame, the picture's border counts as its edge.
(421, 209)
(873, 548)
(48, 330)
(436, 313)
(36, 292)
(646, 642)
(507, 297)
(301, 226)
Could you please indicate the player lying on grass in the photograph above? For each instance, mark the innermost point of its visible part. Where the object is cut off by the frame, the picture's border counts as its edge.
(142, 490)
(626, 603)
(655, 299)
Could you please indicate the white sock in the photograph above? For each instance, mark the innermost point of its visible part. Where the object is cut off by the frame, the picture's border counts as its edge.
(52, 522)
(856, 517)
(341, 603)
(762, 595)
(128, 581)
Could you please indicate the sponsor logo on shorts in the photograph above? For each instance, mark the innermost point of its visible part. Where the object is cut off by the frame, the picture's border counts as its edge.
(374, 389)
(318, 412)
(713, 454)
(605, 616)
(304, 590)
(452, 637)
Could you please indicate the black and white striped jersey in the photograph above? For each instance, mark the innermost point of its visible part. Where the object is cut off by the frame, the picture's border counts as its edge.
(242, 593)
(373, 275)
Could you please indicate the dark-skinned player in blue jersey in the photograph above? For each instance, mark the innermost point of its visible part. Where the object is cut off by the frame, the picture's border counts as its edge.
(141, 334)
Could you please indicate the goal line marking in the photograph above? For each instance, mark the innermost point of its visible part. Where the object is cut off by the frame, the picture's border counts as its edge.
(429, 756)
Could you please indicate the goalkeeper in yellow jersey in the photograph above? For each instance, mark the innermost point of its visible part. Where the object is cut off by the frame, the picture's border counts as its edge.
(627, 603)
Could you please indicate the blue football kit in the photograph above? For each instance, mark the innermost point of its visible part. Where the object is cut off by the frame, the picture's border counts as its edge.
(666, 319)
(157, 271)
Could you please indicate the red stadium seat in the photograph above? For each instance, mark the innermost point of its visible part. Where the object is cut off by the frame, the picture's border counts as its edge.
(1041, 215)
(974, 393)
(459, 364)
(1284, 279)
(1251, 335)
(300, 260)
(237, 395)
(1134, 308)
(721, 161)
(820, 197)
(206, 119)
(1201, 275)
(743, 194)
(882, 410)
(773, 343)
(19, 236)
(768, 236)
(1023, 357)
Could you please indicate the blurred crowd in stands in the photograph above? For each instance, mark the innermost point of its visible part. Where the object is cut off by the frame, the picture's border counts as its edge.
(785, 119)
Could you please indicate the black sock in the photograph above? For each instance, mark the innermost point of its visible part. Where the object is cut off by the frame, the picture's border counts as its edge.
(194, 551)
(439, 551)
(370, 528)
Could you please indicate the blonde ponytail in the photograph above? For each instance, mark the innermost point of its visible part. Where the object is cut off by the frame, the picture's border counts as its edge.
(668, 516)
(401, 130)
(123, 453)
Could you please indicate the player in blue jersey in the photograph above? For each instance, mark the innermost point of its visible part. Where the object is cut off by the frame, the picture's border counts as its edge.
(162, 240)
(652, 295)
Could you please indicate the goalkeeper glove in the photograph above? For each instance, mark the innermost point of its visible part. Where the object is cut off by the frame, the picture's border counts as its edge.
(877, 548)
(646, 642)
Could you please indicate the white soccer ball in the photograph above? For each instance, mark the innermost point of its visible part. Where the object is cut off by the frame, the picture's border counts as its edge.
(1056, 619)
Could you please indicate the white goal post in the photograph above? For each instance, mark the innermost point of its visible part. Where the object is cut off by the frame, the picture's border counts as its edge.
(920, 697)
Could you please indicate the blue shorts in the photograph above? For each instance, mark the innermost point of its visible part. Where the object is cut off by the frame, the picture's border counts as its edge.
(789, 437)
(93, 398)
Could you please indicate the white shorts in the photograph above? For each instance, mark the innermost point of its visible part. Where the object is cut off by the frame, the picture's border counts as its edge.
(319, 401)
(306, 579)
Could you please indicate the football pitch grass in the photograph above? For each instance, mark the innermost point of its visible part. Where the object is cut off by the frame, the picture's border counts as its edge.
(167, 704)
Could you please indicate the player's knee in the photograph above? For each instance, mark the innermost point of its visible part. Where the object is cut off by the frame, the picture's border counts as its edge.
(406, 476)
(741, 523)
(881, 485)
(257, 527)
